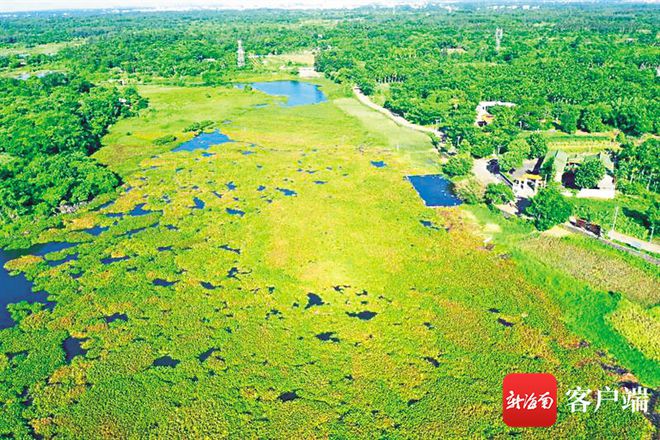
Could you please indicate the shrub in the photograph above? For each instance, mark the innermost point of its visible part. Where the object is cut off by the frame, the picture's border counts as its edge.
(164, 139)
(516, 152)
(548, 208)
(460, 165)
(469, 190)
(198, 126)
(498, 193)
(481, 149)
(568, 120)
(548, 169)
(589, 173)
(590, 121)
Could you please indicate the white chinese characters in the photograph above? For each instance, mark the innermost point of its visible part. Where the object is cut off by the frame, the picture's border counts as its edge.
(529, 401)
(635, 399)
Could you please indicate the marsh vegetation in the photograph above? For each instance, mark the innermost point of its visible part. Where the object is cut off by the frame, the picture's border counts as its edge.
(288, 270)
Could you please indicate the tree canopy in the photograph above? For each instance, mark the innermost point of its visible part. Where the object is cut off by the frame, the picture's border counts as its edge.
(48, 128)
(548, 208)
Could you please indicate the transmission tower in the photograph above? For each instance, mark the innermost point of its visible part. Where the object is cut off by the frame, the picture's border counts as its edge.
(241, 54)
(498, 38)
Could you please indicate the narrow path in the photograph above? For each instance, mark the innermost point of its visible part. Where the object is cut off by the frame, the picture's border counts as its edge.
(396, 118)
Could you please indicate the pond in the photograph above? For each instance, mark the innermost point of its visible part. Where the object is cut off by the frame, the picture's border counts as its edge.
(96, 230)
(166, 361)
(14, 289)
(297, 92)
(435, 190)
(204, 141)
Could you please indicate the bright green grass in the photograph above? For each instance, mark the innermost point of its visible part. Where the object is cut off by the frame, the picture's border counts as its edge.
(412, 144)
(640, 326)
(356, 241)
(303, 58)
(49, 48)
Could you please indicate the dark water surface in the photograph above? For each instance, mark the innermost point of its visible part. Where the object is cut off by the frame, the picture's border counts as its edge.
(435, 190)
(72, 348)
(14, 289)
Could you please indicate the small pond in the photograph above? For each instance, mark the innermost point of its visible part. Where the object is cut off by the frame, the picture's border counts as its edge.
(297, 92)
(287, 192)
(14, 289)
(435, 190)
(204, 141)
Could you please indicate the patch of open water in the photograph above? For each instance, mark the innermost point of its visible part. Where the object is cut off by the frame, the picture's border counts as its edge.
(204, 141)
(297, 92)
(435, 190)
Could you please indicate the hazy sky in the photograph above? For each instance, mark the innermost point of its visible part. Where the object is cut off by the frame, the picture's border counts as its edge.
(33, 5)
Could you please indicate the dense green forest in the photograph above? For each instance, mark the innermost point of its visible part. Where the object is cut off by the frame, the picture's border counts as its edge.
(49, 126)
(580, 68)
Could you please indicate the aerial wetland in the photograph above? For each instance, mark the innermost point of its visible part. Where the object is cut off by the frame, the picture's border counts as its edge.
(271, 273)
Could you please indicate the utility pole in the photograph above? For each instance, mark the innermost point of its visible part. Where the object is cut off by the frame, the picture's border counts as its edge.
(616, 212)
(241, 54)
(499, 33)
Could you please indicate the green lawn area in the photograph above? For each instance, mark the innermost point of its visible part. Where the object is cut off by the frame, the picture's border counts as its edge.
(412, 144)
(49, 48)
(304, 58)
(330, 313)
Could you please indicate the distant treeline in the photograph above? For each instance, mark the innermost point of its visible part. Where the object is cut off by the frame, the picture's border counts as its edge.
(586, 68)
(591, 68)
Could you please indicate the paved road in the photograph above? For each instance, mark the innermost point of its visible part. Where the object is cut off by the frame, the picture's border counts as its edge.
(635, 242)
(396, 118)
(647, 257)
(480, 170)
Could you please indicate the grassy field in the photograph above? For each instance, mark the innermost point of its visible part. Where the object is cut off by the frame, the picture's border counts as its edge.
(607, 296)
(45, 49)
(305, 58)
(332, 312)
(415, 146)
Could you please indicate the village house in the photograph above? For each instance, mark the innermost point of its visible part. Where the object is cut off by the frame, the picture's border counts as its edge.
(561, 163)
(525, 181)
